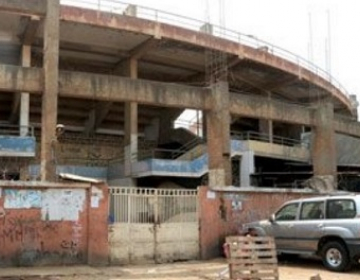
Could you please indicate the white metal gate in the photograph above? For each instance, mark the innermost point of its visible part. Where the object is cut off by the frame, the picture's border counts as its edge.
(153, 225)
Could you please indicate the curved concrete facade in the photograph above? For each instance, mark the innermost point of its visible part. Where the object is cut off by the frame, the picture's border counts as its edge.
(117, 82)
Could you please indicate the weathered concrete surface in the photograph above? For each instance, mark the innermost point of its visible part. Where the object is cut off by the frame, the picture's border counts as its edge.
(20, 79)
(263, 108)
(350, 127)
(297, 153)
(323, 147)
(120, 89)
(131, 124)
(159, 30)
(28, 7)
(49, 106)
(218, 136)
(25, 97)
(103, 87)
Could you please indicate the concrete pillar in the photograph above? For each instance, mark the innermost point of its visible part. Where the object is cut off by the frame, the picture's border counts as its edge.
(131, 126)
(247, 167)
(25, 97)
(323, 147)
(24, 107)
(204, 126)
(266, 128)
(218, 137)
(50, 94)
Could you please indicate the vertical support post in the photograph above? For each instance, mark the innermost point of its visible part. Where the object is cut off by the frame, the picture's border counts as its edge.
(204, 125)
(266, 127)
(247, 167)
(25, 97)
(218, 137)
(50, 94)
(323, 148)
(131, 126)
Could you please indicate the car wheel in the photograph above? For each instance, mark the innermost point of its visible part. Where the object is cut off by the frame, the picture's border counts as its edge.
(335, 256)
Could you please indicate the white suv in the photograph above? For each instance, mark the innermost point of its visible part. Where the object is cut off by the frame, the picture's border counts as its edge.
(327, 226)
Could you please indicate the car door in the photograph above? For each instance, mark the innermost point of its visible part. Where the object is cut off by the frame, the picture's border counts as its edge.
(309, 226)
(283, 226)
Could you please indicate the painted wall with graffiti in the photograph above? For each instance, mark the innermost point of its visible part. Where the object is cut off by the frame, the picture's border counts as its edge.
(224, 213)
(43, 226)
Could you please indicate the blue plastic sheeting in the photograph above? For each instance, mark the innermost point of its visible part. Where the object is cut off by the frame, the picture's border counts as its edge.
(17, 146)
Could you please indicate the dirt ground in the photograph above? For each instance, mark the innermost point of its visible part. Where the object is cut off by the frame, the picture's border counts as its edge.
(301, 269)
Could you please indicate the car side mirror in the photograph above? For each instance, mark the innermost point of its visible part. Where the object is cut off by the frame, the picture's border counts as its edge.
(272, 219)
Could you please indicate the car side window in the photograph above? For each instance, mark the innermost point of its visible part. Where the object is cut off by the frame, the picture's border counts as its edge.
(312, 210)
(287, 213)
(340, 209)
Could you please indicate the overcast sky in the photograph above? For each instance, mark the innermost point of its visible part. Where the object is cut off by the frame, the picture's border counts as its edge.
(286, 23)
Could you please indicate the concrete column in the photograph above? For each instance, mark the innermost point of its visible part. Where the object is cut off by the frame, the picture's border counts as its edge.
(25, 97)
(218, 137)
(323, 142)
(131, 126)
(266, 127)
(204, 126)
(247, 167)
(50, 94)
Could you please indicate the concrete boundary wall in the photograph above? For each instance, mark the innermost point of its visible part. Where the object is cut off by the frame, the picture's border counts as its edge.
(53, 224)
(222, 213)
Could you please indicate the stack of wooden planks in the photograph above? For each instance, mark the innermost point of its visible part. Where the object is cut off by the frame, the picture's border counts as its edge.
(252, 258)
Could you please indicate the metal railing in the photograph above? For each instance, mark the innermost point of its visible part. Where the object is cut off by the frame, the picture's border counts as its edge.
(119, 7)
(16, 130)
(262, 137)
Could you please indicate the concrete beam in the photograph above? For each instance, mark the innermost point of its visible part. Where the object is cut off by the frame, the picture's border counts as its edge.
(120, 89)
(96, 117)
(347, 126)
(279, 83)
(201, 39)
(136, 53)
(20, 79)
(105, 88)
(28, 7)
(263, 108)
(267, 86)
(30, 31)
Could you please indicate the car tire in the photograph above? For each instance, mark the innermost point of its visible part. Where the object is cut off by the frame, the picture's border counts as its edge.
(335, 256)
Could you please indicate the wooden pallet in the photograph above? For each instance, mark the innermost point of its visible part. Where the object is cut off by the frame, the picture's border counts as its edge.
(251, 258)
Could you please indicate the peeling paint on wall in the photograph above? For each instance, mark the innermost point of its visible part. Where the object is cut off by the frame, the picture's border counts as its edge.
(62, 205)
(20, 199)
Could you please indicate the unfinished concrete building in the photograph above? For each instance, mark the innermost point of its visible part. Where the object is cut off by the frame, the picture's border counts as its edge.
(95, 90)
